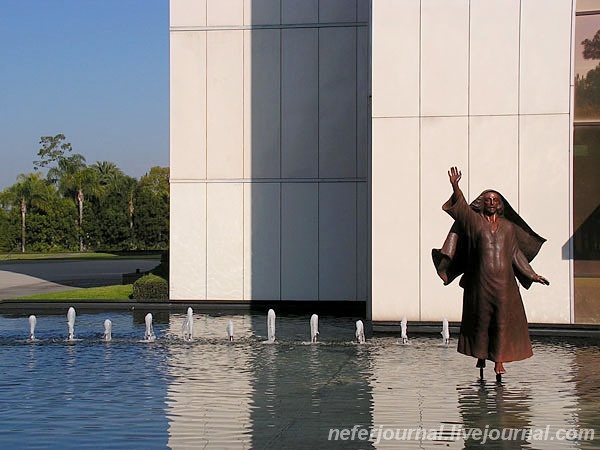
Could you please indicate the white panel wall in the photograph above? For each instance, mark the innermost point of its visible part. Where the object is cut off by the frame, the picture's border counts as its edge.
(262, 12)
(494, 57)
(337, 11)
(363, 103)
(224, 93)
(395, 223)
(299, 241)
(262, 241)
(300, 103)
(188, 106)
(183, 13)
(396, 86)
(444, 143)
(545, 206)
(262, 104)
(337, 241)
(493, 99)
(224, 241)
(494, 156)
(444, 63)
(545, 65)
(299, 11)
(187, 260)
(270, 117)
(363, 242)
(337, 102)
(224, 12)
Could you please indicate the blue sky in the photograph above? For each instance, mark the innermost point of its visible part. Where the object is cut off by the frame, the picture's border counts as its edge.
(96, 71)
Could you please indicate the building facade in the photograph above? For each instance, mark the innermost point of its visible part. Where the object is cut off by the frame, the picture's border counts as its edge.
(310, 143)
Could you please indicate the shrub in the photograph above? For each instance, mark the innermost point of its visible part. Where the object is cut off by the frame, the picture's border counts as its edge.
(151, 287)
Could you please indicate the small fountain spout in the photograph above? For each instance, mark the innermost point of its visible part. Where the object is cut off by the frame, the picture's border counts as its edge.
(314, 328)
(71, 323)
(149, 334)
(271, 326)
(188, 326)
(230, 330)
(107, 330)
(360, 332)
(403, 328)
(445, 332)
(32, 322)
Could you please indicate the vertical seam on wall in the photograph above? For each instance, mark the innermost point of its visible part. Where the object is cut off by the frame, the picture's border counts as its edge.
(420, 155)
(519, 110)
(206, 159)
(280, 149)
(356, 244)
(244, 157)
(318, 154)
(519, 113)
(469, 99)
(571, 163)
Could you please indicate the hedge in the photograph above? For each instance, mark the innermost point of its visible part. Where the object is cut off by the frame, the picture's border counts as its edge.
(151, 287)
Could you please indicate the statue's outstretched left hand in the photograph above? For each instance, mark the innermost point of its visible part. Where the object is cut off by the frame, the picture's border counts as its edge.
(540, 279)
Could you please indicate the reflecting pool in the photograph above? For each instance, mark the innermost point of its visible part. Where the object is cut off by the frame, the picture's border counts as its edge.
(212, 393)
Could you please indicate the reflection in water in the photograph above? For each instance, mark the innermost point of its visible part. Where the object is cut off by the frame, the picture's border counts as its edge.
(213, 393)
(208, 398)
(587, 386)
(301, 390)
(495, 406)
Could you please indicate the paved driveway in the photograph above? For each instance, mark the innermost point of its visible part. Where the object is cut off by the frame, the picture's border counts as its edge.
(19, 278)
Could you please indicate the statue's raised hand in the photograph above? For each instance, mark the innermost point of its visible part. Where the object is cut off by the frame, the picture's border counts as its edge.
(454, 175)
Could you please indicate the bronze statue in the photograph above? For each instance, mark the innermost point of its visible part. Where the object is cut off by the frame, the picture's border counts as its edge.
(490, 245)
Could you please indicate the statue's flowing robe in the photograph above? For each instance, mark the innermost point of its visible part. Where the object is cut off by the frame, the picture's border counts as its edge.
(494, 323)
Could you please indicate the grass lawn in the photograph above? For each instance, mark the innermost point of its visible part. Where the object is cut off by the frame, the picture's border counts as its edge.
(116, 292)
(4, 257)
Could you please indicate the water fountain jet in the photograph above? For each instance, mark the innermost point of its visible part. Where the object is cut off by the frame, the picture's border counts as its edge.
(360, 332)
(403, 328)
(149, 335)
(445, 332)
(271, 326)
(107, 330)
(71, 323)
(230, 330)
(314, 328)
(188, 326)
(32, 322)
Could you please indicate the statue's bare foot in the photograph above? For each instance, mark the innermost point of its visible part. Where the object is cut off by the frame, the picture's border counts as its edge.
(499, 368)
(480, 363)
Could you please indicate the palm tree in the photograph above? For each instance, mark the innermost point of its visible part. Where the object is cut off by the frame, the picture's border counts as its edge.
(73, 178)
(30, 190)
(112, 177)
(108, 172)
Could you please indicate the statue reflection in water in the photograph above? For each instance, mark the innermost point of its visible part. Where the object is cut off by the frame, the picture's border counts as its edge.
(502, 414)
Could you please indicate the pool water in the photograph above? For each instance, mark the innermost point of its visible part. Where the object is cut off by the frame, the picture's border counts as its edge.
(212, 393)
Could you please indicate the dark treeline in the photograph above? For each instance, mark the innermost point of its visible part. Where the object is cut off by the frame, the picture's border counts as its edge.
(67, 205)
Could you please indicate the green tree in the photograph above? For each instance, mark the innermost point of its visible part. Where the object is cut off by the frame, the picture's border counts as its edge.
(75, 180)
(152, 209)
(113, 177)
(109, 216)
(30, 190)
(7, 236)
(53, 149)
(108, 172)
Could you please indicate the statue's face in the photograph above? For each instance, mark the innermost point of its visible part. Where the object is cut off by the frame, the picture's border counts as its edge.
(491, 203)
